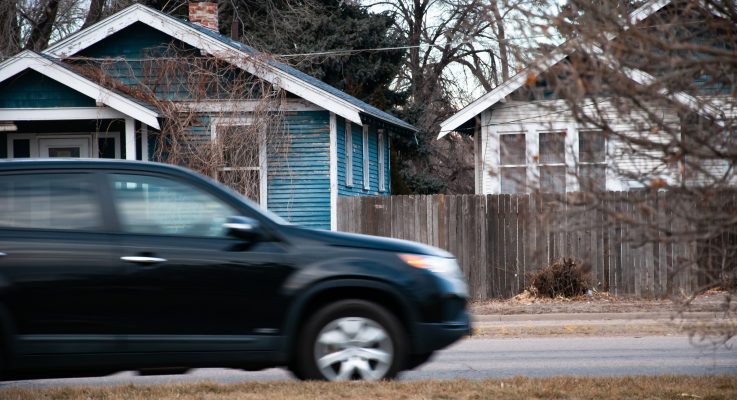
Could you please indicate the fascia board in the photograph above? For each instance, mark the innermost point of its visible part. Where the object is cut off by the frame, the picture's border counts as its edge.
(29, 60)
(500, 92)
(210, 45)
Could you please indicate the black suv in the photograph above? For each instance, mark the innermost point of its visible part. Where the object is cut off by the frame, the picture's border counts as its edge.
(109, 266)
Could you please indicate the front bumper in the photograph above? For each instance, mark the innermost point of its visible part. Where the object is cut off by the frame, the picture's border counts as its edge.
(432, 336)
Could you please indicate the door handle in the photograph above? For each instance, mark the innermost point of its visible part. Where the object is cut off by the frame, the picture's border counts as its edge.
(143, 260)
(3, 254)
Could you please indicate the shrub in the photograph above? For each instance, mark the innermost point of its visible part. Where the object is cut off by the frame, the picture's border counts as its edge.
(564, 277)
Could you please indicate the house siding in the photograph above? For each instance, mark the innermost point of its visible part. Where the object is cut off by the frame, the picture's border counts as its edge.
(30, 89)
(299, 170)
(358, 185)
(140, 45)
(531, 118)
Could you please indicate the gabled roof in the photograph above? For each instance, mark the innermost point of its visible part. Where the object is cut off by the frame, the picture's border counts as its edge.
(29, 60)
(540, 65)
(236, 53)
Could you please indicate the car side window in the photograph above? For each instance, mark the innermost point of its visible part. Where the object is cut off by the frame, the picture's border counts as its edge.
(49, 201)
(163, 206)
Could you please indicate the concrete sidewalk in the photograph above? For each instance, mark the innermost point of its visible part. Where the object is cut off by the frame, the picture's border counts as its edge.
(591, 324)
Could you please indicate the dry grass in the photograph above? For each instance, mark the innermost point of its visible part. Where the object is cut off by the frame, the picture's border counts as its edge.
(568, 329)
(661, 387)
(598, 302)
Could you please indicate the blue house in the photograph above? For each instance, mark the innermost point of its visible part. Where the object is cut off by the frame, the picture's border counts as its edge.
(66, 102)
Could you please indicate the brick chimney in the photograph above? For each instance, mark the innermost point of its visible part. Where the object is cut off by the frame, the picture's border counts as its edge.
(204, 13)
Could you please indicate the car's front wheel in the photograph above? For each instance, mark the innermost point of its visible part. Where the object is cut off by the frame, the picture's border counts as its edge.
(351, 340)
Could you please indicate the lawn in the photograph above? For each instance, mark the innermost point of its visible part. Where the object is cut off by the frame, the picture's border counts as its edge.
(654, 387)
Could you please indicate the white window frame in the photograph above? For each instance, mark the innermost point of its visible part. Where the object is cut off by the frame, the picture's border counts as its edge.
(560, 164)
(348, 153)
(603, 163)
(381, 164)
(366, 175)
(262, 168)
(502, 166)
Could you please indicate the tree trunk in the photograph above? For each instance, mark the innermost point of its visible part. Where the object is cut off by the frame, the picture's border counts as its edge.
(95, 12)
(9, 29)
(502, 38)
(41, 30)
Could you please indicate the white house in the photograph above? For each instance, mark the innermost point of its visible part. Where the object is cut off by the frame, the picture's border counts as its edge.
(526, 141)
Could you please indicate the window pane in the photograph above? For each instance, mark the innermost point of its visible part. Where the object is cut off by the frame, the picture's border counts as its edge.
(106, 147)
(553, 179)
(53, 201)
(21, 148)
(592, 178)
(148, 204)
(591, 146)
(514, 180)
(240, 145)
(552, 147)
(513, 149)
(245, 182)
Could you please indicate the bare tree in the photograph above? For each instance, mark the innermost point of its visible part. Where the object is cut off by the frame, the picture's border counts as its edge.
(652, 92)
(41, 24)
(456, 49)
(9, 29)
(247, 121)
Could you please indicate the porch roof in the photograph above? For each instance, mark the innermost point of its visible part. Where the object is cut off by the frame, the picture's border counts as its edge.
(63, 74)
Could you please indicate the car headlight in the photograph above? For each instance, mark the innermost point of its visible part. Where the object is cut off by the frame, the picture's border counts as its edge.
(439, 265)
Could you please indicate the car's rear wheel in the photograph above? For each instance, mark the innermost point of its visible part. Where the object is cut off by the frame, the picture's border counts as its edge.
(351, 340)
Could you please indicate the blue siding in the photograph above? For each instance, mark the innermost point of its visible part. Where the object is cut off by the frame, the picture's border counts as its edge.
(358, 189)
(30, 89)
(299, 170)
(139, 45)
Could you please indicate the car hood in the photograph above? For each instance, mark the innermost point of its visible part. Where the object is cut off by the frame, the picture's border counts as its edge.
(353, 240)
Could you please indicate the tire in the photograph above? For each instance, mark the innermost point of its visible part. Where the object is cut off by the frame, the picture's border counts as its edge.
(351, 340)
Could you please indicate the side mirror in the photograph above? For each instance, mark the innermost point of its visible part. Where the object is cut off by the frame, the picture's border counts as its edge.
(243, 228)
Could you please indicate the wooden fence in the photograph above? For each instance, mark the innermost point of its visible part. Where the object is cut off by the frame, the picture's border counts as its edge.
(499, 239)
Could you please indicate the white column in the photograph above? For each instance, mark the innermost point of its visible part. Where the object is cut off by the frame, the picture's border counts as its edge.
(532, 160)
(144, 142)
(130, 139)
(571, 154)
(333, 172)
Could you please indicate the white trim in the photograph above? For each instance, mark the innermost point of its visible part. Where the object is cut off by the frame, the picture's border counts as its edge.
(145, 156)
(542, 64)
(263, 175)
(333, 172)
(380, 155)
(348, 131)
(84, 143)
(207, 44)
(366, 159)
(570, 149)
(130, 139)
(59, 113)
(32, 147)
(229, 121)
(106, 135)
(483, 161)
(30, 60)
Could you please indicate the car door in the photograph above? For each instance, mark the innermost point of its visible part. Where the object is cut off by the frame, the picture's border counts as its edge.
(58, 280)
(189, 282)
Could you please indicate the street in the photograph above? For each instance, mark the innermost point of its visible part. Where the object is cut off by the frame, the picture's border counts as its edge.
(497, 358)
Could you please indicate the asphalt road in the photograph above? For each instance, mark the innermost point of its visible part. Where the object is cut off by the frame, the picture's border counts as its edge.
(498, 358)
